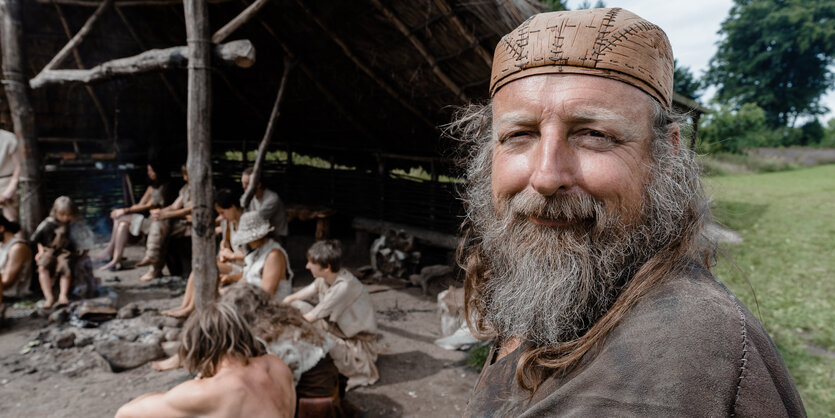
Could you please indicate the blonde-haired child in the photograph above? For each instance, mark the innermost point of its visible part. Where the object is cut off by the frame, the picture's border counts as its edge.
(54, 250)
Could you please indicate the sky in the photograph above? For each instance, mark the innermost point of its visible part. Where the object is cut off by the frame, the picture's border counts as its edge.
(692, 27)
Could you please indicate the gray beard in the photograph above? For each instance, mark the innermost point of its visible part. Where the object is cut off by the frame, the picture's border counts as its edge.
(550, 285)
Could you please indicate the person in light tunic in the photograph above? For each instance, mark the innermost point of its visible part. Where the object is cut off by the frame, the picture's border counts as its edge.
(344, 310)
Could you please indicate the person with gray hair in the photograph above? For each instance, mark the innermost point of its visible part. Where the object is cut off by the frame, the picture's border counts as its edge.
(584, 253)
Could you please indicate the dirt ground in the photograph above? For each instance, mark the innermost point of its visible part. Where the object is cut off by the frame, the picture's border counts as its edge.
(417, 378)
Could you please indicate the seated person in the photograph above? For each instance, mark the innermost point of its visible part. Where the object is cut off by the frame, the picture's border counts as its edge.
(10, 169)
(170, 221)
(344, 310)
(130, 221)
(266, 265)
(15, 259)
(301, 345)
(237, 378)
(55, 250)
(229, 259)
(267, 203)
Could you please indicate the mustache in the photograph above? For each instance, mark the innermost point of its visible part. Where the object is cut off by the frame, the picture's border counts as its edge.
(565, 207)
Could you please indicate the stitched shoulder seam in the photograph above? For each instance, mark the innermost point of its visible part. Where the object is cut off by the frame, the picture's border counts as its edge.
(743, 361)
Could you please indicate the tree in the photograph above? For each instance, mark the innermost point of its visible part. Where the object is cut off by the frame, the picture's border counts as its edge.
(728, 130)
(811, 133)
(554, 5)
(775, 53)
(685, 83)
(829, 135)
(586, 4)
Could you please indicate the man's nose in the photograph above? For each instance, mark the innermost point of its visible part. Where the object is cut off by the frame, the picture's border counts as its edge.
(554, 164)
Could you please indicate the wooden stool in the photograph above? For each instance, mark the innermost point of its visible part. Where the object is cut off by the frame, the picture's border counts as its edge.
(326, 407)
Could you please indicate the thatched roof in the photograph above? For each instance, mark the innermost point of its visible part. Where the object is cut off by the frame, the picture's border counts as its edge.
(373, 76)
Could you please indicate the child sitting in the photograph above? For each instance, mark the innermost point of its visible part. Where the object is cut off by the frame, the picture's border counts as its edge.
(344, 310)
(54, 250)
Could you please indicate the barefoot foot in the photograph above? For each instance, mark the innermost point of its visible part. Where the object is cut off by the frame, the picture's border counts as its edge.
(170, 363)
(150, 275)
(177, 312)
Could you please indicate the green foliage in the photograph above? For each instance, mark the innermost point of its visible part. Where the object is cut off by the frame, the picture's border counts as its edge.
(775, 53)
(829, 135)
(586, 4)
(685, 83)
(786, 221)
(477, 356)
(554, 5)
(811, 133)
(727, 130)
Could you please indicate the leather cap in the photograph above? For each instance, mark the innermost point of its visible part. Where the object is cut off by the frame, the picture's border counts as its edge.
(612, 43)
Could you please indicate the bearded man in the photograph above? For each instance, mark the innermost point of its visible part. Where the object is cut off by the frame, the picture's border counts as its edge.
(584, 254)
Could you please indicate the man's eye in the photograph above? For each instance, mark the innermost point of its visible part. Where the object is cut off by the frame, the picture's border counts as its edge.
(514, 135)
(600, 136)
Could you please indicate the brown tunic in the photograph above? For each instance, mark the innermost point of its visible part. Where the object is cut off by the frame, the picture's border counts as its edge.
(688, 348)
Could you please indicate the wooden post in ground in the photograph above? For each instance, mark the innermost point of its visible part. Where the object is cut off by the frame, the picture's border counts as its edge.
(199, 164)
(265, 141)
(23, 116)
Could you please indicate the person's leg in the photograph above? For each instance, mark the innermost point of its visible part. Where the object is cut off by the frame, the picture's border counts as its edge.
(187, 306)
(46, 287)
(119, 241)
(63, 290)
(157, 234)
(170, 363)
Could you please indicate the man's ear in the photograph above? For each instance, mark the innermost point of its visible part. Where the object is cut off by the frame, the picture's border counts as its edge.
(675, 139)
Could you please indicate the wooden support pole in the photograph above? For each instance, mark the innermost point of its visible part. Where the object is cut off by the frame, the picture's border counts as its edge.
(163, 77)
(446, 9)
(23, 116)
(199, 163)
(78, 38)
(422, 49)
(368, 71)
(240, 53)
(80, 64)
(123, 3)
(268, 134)
(239, 20)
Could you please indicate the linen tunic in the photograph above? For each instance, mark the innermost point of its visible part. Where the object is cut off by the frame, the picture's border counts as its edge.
(688, 348)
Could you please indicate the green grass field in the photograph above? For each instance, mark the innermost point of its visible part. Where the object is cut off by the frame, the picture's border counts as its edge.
(784, 271)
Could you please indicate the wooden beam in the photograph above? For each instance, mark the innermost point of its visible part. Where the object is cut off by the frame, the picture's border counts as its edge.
(422, 49)
(76, 40)
(23, 115)
(240, 53)
(239, 20)
(446, 9)
(255, 179)
(198, 127)
(123, 3)
(370, 73)
(319, 86)
(163, 77)
(80, 64)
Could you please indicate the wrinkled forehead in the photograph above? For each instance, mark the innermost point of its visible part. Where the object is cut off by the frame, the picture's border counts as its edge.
(572, 98)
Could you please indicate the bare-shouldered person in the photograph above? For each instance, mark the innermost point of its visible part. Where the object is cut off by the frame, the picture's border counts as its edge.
(237, 377)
